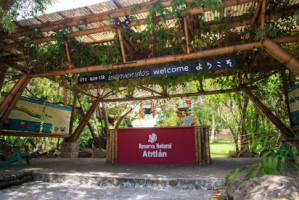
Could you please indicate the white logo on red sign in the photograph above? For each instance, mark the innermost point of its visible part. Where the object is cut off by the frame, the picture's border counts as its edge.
(152, 138)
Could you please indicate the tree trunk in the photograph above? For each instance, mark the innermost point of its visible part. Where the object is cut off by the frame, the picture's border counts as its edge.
(243, 135)
(213, 129)
(105, 115)
(285, 92)
(120, 119)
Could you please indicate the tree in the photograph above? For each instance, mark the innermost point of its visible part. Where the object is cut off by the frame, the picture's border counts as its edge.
(11, 10)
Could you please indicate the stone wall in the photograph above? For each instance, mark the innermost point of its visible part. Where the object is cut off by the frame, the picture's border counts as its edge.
(15, 178)
(69, 150)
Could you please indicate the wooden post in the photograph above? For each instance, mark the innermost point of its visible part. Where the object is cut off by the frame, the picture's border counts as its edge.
(263, 14)
(64, 96)
(257, 10)
(186, 34)
(284, 130)
(12, 93)
(200, 146)
(2, 76)
(196, 130)
(112, 147)
(67, 51)
(282, 55)
(121, 45)
(13, 102)
(73, 114)
(116, 145)
(83, 122)
(108, 147)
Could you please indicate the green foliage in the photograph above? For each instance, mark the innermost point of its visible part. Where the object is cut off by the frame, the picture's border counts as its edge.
(22, 9)
(271, 163)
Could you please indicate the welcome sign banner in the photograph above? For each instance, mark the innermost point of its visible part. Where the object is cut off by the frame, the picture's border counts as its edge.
(161, 71)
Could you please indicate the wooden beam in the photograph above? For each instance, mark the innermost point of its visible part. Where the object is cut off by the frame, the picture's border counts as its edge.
(284, 130)
(263, 13)
(186, 34)
(12, 93)
(33, 134)
(84, 122)
(94, 135)
(282, 55)
(121, 44)
(164, 59)
(260, 78)
(122, 12)
(256, 13)
(200, 93)
(150, 90)
(12, 65)
(2, 76)
(67, 52)
(64, 96)
(13, 102)
(73, 113)
(78, 90)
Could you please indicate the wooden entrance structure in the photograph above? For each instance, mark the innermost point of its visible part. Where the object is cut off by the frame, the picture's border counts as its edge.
(99, 30)
(202, 146)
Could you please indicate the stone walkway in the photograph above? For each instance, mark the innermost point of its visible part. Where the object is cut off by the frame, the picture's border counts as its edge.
(89, 166)
(87, 175)
(59, 191)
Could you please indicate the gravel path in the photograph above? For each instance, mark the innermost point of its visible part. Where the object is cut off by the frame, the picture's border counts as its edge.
(62, 191)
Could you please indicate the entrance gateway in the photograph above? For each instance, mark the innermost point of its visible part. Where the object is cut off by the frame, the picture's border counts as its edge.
(166, 145)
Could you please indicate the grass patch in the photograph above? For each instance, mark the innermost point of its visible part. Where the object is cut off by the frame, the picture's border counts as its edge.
(220, 147)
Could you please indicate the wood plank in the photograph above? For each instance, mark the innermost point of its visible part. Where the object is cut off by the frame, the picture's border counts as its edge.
(116, 146)
(107, 147)
(12, 93)
(33, 134)
(121, 44)
(200, 147)
(113, 147)
(13, 102)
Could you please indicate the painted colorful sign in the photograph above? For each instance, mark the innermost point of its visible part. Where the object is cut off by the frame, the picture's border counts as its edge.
(174, 145)
(161, 71)
(294, 104)
(27, 116)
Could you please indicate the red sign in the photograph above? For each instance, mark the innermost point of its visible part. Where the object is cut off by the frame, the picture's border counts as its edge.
(174, 145)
